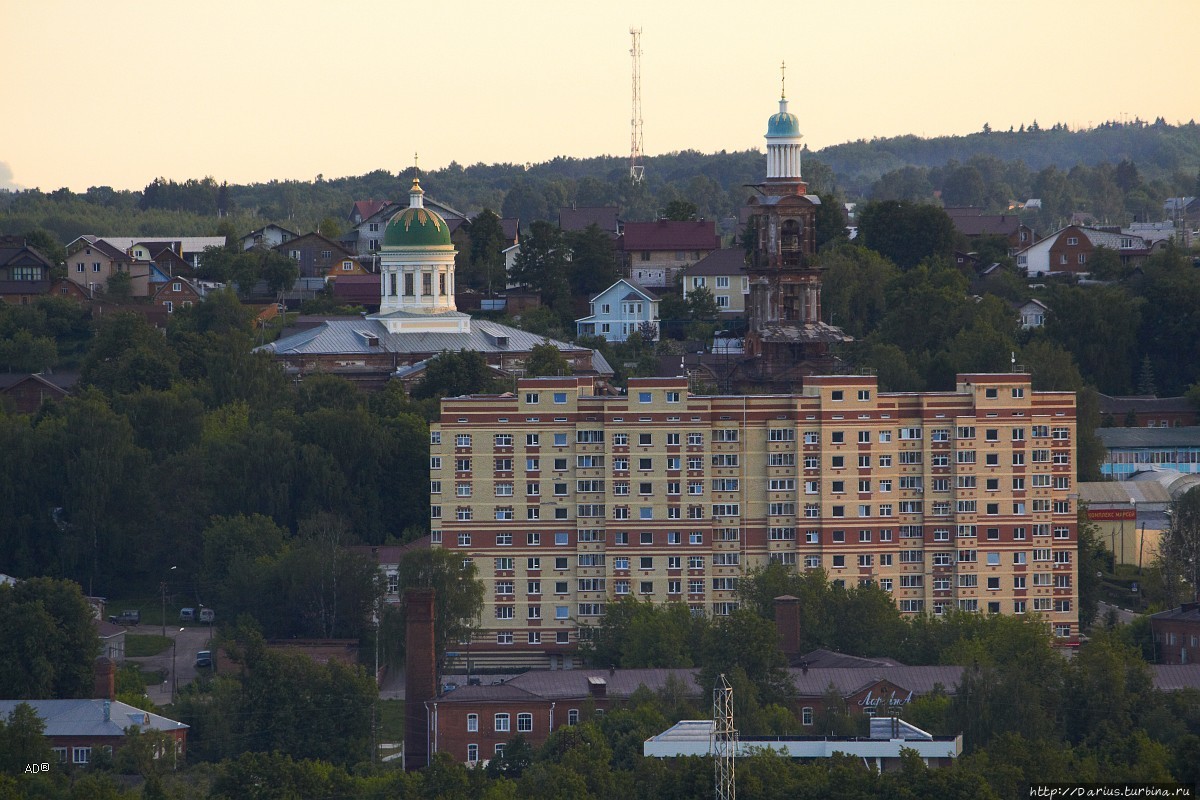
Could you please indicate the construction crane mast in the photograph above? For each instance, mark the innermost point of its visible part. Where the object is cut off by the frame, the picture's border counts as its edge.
(724, 741)
(636, 169)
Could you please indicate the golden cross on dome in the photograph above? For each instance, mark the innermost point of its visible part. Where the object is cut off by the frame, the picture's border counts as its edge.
(416, 164)
(782, 80)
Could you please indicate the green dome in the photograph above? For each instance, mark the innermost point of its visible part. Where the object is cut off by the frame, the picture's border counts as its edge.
(784, 123)
(416, 227)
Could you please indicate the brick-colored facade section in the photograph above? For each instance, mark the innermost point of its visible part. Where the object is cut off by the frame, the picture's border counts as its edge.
(420, 675)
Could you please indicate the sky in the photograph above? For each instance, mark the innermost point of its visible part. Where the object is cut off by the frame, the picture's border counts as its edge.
(117, 93)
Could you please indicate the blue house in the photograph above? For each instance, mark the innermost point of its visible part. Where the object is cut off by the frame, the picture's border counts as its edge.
(620, 310)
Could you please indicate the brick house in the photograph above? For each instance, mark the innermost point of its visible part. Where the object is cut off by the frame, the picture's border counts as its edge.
(78, 729)
(319, 257)
(177, 293)
(1071, 249)
(656, 252)
(93, 261)
(1177, 634)
(974, 224)
(1149, 411)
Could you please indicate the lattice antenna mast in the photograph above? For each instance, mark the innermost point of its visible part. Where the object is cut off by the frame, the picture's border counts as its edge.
(724, 741)
(636, 169)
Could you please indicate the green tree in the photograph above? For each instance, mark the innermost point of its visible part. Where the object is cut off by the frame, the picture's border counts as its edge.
(458, 595)
(1179, 552)
(24, 352)
(541, 265)
(907, 233)
(854, 288)
(546, 359)
(51, 636)
(680, 211)
(454, 374)
(830, 222)
(127, 354)
(22, 740)
(119, 286)
(486, 255)
(594, 264)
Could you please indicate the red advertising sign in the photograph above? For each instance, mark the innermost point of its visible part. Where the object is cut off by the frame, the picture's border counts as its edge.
(1104, 514)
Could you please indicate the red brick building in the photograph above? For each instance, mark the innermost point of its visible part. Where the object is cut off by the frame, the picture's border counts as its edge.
(1149, 411)
(1177, 634)
(176, 293)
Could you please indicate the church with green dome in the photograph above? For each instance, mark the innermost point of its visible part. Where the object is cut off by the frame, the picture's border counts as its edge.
(416, 271)
(417, 317)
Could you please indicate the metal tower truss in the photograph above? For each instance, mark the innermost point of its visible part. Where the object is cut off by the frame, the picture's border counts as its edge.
(636, 169)
(724, 741)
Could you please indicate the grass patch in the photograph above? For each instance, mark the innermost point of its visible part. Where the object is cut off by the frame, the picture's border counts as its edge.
(138, 645)
(391, 720)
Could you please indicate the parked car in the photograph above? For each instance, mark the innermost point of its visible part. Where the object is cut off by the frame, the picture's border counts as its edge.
(187, 615)
(128, 617)
(207, 615)
(204, 659)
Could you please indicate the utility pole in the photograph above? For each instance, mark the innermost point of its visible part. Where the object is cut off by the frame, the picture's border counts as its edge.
(636, 169)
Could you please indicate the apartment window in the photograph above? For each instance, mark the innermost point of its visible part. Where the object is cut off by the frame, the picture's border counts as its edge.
(524, 723)
(501, 723)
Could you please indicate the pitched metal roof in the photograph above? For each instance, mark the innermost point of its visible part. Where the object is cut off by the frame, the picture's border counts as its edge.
(726, 261)
(87, 717)
(1145, 403)
(578, 219)
(1149, 437)
(671, 235)
(353, 335)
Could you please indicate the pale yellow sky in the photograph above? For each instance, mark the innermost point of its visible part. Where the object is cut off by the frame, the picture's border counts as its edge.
(119, 92)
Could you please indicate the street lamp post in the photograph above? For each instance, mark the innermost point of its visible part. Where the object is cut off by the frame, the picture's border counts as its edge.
(162, 586)
(174, 682)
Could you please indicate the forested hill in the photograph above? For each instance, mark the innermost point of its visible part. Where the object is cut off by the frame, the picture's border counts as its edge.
(1159, 150)
(1117, 171)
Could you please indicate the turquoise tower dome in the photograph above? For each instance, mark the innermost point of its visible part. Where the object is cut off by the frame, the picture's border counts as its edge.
(785, 123)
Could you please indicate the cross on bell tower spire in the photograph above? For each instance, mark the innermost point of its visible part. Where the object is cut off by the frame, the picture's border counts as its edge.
(783, 80)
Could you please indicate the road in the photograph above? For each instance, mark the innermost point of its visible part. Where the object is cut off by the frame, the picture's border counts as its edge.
(188, 642)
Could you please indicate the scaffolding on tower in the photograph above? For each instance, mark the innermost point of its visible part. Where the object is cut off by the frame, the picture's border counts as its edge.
(636, 169)
(724, 741)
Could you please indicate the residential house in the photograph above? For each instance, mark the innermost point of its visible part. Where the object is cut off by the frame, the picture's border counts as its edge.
(1069, 250)
(79, 729)
(64, 287)
(268, 236)
(319, 257)
(620, 310)
(177, 293)
(1177, 634)
(722, 272)
(357, 290)
(974, 224)
(655, 253)
(24, 271)
(189, 248)
(164, 256)
(25, 393)
(388, 557)
(1033, 313)
(1185, 212)
(579, 219)
(370, 219)
(91, 261)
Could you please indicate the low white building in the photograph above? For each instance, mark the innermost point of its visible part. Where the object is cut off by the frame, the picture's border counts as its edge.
(889, 736)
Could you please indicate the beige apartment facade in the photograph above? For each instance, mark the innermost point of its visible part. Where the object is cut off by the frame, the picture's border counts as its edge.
(568, 501)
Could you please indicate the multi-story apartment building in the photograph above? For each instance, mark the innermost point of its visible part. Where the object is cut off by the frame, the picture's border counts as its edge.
(568, 501)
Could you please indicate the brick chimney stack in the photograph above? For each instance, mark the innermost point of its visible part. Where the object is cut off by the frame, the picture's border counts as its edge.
(787, 624)
(105, 672)
(420, 675)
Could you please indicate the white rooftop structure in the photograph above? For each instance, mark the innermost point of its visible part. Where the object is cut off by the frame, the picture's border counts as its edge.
(889, 735)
